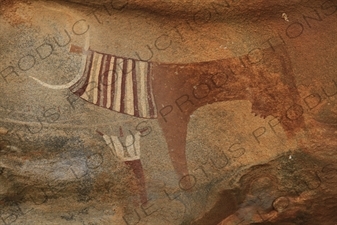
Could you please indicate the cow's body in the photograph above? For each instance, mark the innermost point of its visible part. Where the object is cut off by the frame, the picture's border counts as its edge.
(269, 85)
(119, 84)
(172, 92)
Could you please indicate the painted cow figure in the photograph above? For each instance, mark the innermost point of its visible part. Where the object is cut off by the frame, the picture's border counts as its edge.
(170, 93)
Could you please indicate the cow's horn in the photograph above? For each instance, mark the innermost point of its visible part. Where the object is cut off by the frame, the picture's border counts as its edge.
(61, 86)
(67, 85)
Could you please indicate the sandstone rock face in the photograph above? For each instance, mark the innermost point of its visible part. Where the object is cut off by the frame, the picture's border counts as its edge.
(168, 112)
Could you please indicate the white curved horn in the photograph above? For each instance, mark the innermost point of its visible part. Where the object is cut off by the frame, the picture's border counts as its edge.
(60, 86)
(78, 76)
(67, 85)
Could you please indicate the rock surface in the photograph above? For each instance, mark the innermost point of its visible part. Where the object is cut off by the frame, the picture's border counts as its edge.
(168, 112)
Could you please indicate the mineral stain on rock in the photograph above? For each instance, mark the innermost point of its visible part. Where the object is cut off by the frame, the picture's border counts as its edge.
(228, 202)
(277, 193)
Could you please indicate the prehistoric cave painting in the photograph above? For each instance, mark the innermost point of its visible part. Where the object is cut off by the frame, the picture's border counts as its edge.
(119, 84)
(172, 92)
(129, 153)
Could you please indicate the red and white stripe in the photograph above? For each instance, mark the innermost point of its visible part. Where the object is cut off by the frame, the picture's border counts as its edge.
(119, 84)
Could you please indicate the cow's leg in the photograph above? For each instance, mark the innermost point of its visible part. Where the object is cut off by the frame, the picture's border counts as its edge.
(137, 168)
(135, 165)
(173, 91)
(175, 132)
(172, 87)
